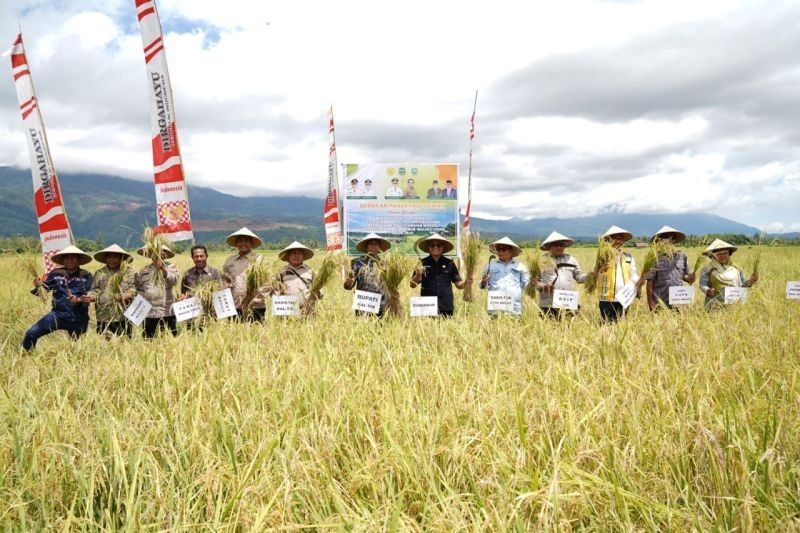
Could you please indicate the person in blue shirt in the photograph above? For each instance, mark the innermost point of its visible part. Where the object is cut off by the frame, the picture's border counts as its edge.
(70, 286)
(506, 274)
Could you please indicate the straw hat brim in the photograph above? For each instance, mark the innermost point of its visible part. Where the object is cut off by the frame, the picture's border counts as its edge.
(230, 240)
(101, 256)
(85, 258)
(515, 250)
(424, 244)
(627, 235)
(362, 244)
(307, 253)
(166, 253)
(679, 236)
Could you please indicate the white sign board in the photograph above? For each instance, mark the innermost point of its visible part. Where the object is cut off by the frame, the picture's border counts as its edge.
(565, 299)
(500, 301)
(626, 295)
(138, 310)
(793, 290)
(187, 309)
(735, 294)
(223, 304)
(285, 305)
(367, 302)
(424, 306)
(683, 295)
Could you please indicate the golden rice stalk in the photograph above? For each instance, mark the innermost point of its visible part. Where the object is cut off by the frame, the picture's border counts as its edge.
(114, 286)
(754, 266)
(28, 262)
(204, 292)
(260, 277)
(605, 254)
(393, 268)
(658, 249)
(331, 264)
(534, 260)
(699, 263)
(470, 254)
(152, 243)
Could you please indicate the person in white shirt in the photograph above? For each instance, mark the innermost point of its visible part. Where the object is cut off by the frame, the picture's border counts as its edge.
(394, 191)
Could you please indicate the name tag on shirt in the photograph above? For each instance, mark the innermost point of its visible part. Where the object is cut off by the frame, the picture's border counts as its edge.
(285, 305)
(367, 302)
(734, 294)
(793, 290)
(424, 306)
(681, 295)
(137, 311)
(187, 309)
(224, 306)
(566, 299)
(499, 301)
(626, 295)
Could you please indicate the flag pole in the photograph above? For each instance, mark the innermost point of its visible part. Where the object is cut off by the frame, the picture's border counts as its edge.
(466, 224)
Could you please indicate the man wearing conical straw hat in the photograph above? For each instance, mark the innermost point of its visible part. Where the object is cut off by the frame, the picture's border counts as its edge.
(506, 274)
(615, 272)
(113, 289)
(70, 286)
(438, 273)
(561, 271)
(721, 273)
(244, 241)
(672, 268)
(296, 277)
(156, 283)
(365, 270)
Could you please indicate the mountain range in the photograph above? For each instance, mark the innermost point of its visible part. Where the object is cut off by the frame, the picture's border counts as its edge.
(115, 209)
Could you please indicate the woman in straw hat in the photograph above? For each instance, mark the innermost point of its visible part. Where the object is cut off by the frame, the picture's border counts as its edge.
(156, 283)
(671, 270)
(297, 277)
(438, 273)
(113, 288)
(616, 273)
(244, 241)
(365, 270)
(506, 274)
(70, 286)
(562, 272)
(721, 273)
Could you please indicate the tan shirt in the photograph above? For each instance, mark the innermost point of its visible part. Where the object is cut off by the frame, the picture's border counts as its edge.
(297, 281)
(160, 295)
(236, 264)
(106, 309)
(239, 291)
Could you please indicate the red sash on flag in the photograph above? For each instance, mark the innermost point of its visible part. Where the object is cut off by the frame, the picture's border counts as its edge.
(333, 228)
(54, 229)
(172, 196)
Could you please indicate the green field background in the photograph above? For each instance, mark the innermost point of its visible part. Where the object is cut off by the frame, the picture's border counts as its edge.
(665, 421)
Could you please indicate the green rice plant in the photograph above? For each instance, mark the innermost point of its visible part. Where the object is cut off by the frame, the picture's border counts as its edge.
(392, 269)
(471, 248)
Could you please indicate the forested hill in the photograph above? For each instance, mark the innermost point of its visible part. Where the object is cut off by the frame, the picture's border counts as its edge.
(115, 209)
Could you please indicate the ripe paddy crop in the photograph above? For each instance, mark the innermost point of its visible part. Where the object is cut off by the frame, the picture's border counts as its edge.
(668, 420)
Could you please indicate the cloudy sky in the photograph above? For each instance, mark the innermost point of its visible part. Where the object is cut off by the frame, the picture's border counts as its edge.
(584, 106)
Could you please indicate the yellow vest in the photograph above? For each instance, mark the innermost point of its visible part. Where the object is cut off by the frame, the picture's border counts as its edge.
(608, 281)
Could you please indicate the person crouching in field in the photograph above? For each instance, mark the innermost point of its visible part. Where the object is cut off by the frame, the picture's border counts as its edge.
(244, 241)
(561, 271)
(721, 273)
(615, 274)
(70, 286)
(297, 277)
(365, 270)
(113, 289)
(671, 270)
(156, 283)
(506, 274)
(438, 273)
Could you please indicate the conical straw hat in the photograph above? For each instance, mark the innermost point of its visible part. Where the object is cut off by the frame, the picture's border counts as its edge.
(308, 253)
(616, 230)
(425, 242)
(100, 256)
(719, 244)
(679, 235)
(58, 257)
(362, 244)
(555, 237)
(166, 253)
(506, 242)
(243, 232)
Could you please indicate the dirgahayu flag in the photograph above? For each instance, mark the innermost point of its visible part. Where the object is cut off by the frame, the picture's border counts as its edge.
(333, 227)
(172, 196)
(54, 229)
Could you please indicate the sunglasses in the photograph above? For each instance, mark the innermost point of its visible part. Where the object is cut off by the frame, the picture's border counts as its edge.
(436, 245)
(502, 248)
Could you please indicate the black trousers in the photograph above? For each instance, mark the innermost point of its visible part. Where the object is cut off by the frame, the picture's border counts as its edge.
(117, 327)
(611, 311)
(152, 325)
(256, 315)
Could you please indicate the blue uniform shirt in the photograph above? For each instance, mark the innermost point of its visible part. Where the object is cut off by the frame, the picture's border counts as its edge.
(62, 284)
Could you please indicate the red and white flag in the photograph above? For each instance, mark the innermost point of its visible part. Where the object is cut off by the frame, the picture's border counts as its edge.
(54, 229)
(469, 176)
(333, 227)
(172, 196)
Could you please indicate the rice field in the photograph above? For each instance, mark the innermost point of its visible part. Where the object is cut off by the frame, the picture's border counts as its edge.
(665, 421)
